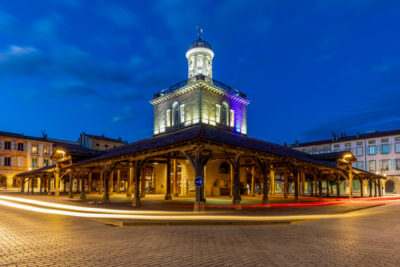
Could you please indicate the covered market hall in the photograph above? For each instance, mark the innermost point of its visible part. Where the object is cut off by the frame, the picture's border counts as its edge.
(200, 149)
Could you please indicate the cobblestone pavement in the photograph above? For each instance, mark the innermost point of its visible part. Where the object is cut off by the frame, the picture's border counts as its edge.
(33, 239)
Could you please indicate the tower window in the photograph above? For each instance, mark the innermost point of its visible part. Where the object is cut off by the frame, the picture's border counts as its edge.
(232, 118)
(168, 117)
(218, 113)
(224, 113)
(175, 116)
(182, 110)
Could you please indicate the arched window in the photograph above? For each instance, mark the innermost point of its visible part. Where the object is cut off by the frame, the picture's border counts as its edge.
(224, 168)
(175, 114)
(224, 113)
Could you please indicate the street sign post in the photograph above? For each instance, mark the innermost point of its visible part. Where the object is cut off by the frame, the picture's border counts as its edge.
(199, 181)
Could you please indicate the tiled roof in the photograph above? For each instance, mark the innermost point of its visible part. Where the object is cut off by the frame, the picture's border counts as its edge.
(204, 132)
(40, 170)
(22, 136)
(103, 138)
(76, 149)
(350, 138)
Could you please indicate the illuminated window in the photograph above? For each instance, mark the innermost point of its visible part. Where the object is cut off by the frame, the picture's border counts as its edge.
(372, 150)
(397, 147)
(232, 118)
(46, 150)
(371, 165)
(224, 113)
(35, 149)
(45, 162)
(182, 110)
(199, 64)
(175, 114)
(168, 117)
(385, 149)
(218, 113)
(359, 151)
(385, 164)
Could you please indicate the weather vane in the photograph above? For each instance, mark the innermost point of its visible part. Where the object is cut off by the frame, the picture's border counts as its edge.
(200, 31)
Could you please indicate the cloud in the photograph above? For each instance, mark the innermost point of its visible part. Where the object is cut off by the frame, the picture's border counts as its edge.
(6, 20)
(126, 114)
(21, 60)
(73, 89)
(378, 113)
(62, 61)
(117, 14)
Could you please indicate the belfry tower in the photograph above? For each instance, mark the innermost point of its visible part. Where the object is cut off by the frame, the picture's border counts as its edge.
(200, 98)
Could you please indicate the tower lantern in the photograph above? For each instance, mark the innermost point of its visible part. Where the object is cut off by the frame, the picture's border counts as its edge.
(200, 56)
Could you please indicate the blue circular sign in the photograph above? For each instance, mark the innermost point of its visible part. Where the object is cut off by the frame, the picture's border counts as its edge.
(199, 181)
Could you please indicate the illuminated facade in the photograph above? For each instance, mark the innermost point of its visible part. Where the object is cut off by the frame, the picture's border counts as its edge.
(200, 99)
(377, 152)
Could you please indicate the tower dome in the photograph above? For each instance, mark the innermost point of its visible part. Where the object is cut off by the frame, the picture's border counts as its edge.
(200, 56)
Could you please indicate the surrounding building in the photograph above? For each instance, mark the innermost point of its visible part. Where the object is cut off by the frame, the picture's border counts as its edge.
(377, 152)
(20, 153)
(199, 148)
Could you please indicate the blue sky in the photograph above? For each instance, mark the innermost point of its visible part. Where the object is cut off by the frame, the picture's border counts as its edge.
(309, 67)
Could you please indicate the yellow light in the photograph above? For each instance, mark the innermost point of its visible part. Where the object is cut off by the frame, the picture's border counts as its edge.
(348, 156)
(384, 174)
(60, 151)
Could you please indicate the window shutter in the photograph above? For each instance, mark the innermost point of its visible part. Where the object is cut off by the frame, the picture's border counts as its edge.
(12, 161)
(380, 165)
(2, 144)
(1, 161)
(389, 148)
(15, 145)
(390, 164)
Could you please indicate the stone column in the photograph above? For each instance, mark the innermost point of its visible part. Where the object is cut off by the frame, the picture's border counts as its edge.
(168, 181)
(370, 188)
(337, 187)
(130, 180)
(106, 182)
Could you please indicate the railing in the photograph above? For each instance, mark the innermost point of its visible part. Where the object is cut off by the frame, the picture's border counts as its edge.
(197, 78)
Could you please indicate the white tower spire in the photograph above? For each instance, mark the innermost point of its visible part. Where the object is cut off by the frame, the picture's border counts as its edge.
(200, 56)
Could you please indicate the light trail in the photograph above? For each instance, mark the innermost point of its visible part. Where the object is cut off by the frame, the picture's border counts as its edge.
(76, 208)
(181, 218)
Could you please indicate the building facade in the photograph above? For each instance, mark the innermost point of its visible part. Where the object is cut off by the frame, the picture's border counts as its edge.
(377, 152)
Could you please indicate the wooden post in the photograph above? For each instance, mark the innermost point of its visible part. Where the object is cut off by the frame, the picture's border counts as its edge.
(303, 183)
(379, 187)
(253, 192)
(41, 185)
(118, 181)
(315, 185)
(265, 168)
(320, 187)
(198, 162)
(285, 186)
(106, 182)
(176, 184)
(231, 173)
(311, 184)
(375, 191)
(57, 180)
(370, 187)
(33, 185)
(236, 183)
(327, 187)
(90, 183)
(70, 193)
(129, 193)
(111, 183)
(137, 171)
(168, 181)
(361, 188)
(142, 183)
(83, 191)
(351, 181)
(272, 179)
(45, 184)
(337, 187)
(49, 185)
(101, 180)
(296, 175)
